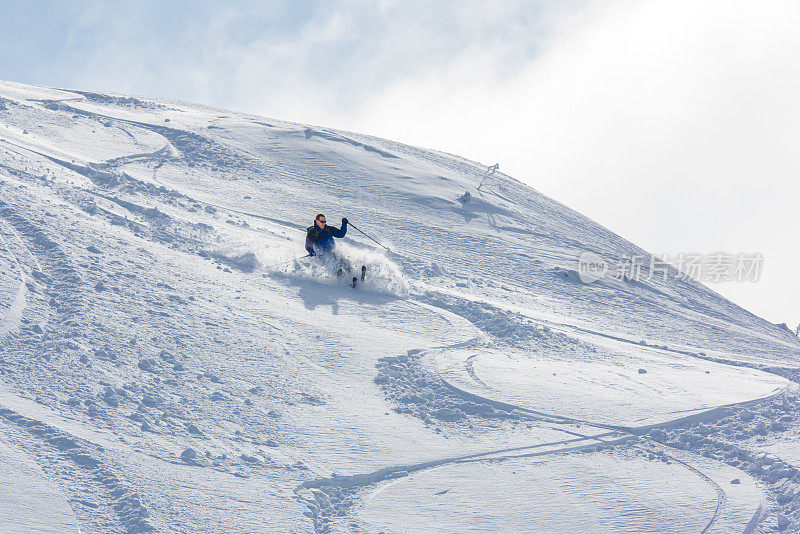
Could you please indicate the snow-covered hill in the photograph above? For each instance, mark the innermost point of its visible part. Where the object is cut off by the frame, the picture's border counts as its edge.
(169, 362)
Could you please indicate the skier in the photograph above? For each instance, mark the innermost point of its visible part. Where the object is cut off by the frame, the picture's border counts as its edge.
(320, 243)
(319, 237)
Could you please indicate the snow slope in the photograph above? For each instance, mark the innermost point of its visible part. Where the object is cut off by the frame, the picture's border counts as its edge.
(170, 362)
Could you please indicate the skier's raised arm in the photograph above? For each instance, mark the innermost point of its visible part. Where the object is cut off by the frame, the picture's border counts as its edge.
(339, 232)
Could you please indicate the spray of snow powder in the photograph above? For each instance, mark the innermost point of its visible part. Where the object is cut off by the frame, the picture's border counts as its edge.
(383, 275)
(243, 252)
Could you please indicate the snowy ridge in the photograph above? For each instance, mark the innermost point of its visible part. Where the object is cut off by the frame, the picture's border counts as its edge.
(170, 362)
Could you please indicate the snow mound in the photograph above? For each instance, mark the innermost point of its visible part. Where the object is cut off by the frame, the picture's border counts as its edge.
(246, 261)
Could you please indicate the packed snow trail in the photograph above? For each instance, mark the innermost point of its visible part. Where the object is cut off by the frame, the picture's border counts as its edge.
(28, 501)
(12, 313)
(163, 376)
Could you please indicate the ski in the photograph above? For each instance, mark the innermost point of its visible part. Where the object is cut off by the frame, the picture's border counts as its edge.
(363, 274)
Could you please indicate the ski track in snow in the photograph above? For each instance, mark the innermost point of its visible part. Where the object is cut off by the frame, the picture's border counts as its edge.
(142, 197)
(12, 314)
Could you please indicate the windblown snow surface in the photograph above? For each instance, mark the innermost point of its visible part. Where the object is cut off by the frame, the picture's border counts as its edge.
(170, 363)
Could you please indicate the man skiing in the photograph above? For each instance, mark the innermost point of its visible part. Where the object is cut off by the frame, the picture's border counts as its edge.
(319, 243)
(319, 237)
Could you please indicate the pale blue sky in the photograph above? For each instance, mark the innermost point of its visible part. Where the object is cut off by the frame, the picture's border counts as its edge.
(248, 54)
(673, 122)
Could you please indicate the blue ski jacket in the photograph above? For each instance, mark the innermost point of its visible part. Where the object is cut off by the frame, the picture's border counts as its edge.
(321, 241)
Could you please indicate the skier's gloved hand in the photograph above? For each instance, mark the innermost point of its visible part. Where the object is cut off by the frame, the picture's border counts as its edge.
(344, 221)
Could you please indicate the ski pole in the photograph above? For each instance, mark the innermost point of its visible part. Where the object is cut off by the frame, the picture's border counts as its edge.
(287, 261)
(488, 173)
(367, 236)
